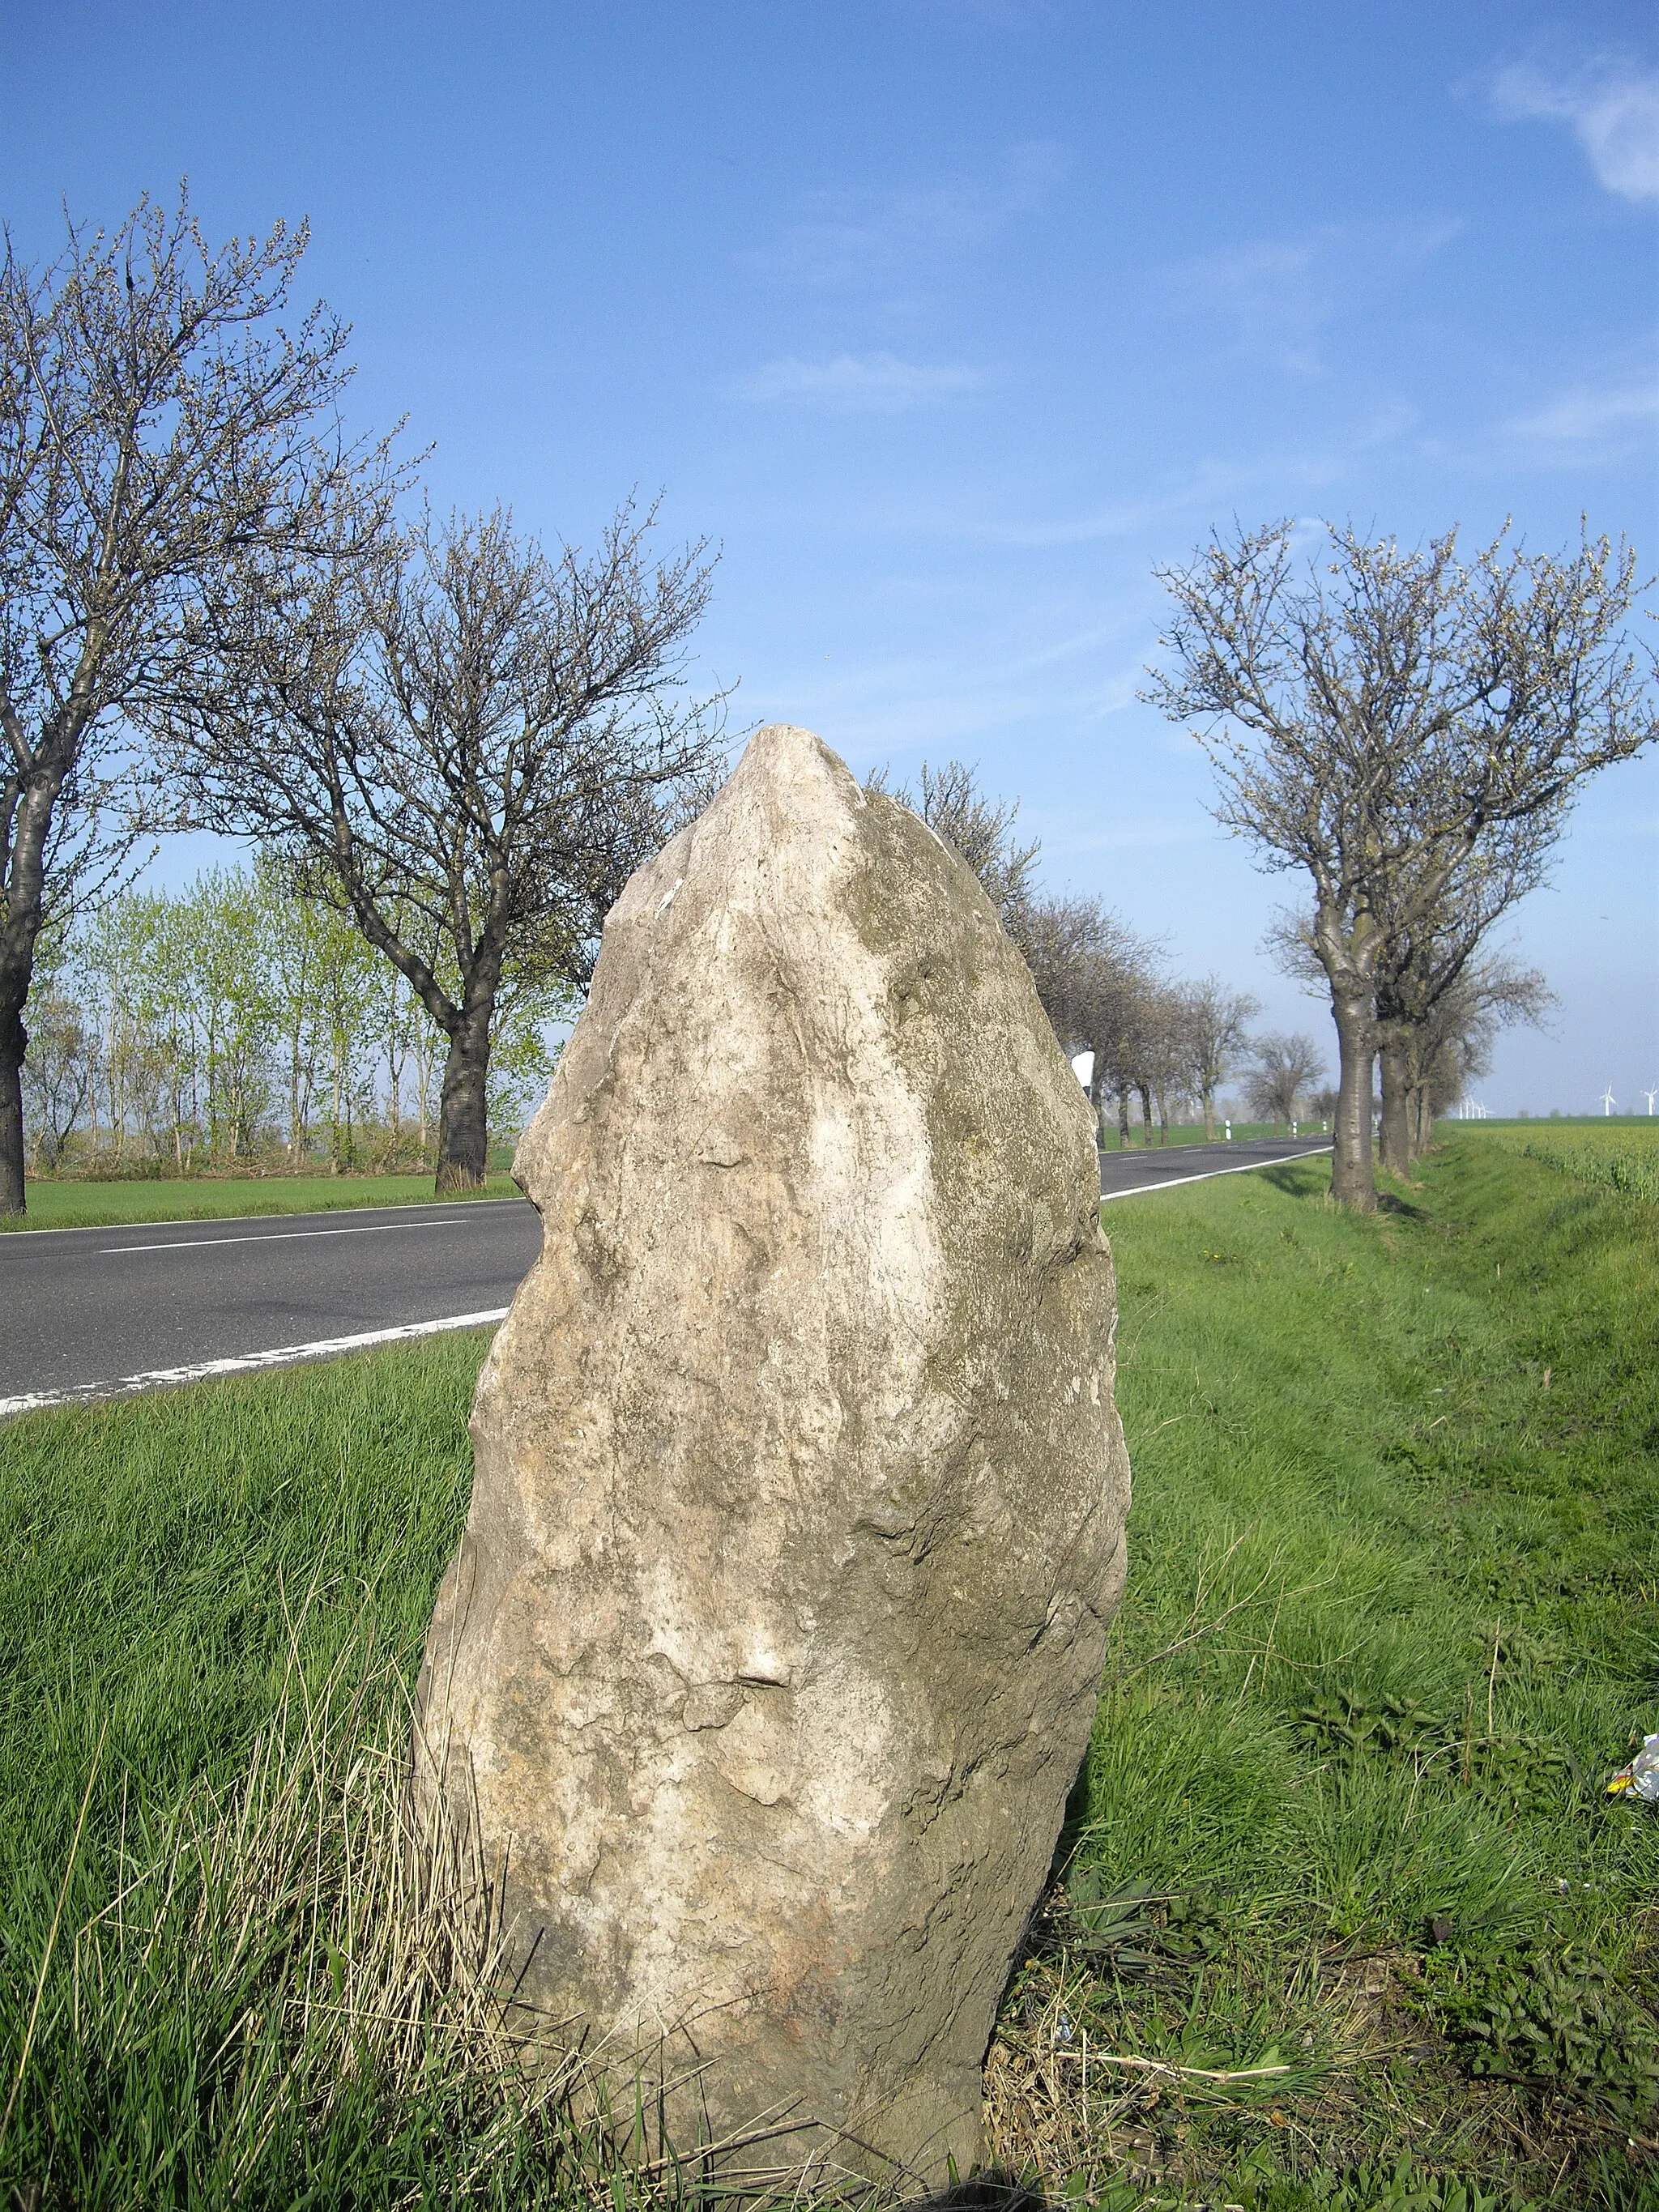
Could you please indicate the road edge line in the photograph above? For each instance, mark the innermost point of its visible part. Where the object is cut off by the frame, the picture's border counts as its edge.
(206, 1221)
(248, 1363)
(1244, 1167)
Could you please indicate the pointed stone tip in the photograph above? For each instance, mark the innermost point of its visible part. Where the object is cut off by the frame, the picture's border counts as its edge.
(788, 750)
(783, 737)
(793, 777)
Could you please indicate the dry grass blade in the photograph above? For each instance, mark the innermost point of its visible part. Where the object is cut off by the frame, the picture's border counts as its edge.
(51, 1939)
(327, 1927)
(1162, 2066)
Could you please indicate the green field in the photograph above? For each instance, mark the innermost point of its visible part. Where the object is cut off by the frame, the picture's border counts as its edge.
(69, 1205)
(1342, 1835)
(1622, 1156)
(1191, 1133)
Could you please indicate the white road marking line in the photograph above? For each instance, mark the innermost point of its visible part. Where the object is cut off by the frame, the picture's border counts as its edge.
(1244, 1167)
(93, 1228)
(250, 1363)
(285, 1236)
(328, 1348)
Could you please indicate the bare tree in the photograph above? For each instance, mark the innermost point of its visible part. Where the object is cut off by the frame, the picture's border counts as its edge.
(1286, 1068)
(1162, 1076)
(1063, 940)
(467, 745)
(1100, 985)
(1213, 1035)
(1451, 1046)
(155, 425)
(1424, 965)
(1381, 718)
(978, 828)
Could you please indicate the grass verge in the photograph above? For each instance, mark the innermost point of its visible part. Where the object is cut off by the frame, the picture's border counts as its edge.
(1344, 1897)
(1344, 1919)
(199, 1198)
(219, 1984)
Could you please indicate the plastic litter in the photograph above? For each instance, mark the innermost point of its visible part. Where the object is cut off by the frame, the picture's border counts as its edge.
(1641, 1777)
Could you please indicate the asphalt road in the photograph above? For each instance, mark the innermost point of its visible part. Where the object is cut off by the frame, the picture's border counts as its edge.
(1120, 1173)
(100, 1312)
(97, 1313)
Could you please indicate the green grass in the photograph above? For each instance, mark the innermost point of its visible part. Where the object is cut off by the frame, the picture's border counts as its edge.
(1553, 1121)
(1624, 1156)
(1191, 1133)
(213, 1603)
(1390, 1624)
(1389, 1472)
(99, 1205)
(157, 1552)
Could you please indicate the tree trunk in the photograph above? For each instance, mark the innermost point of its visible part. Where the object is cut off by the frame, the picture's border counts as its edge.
(1146, 1117)
(294, 1105)
(1163, 1119)
(1395, 1149)
(1123, 1117)
(14, 1040)
(1416, 1121)
(22, 886)
(463, 1136)
(1209, 1116)
(1353, 1184)
(118, 1095)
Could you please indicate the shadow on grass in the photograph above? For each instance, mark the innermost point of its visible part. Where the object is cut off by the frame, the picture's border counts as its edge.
(992, 2191)
(1301, 1180)
(1388, 1202)
(1296, 1179)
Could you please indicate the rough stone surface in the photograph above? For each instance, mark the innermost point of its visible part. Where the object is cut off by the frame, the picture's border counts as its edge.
(773, 1642)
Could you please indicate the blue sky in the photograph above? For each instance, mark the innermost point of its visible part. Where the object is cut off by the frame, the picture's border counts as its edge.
(949, 319)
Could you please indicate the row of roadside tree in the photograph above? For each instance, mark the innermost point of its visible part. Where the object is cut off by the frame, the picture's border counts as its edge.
(218, 612)
(1156, 1045)
(238, 1023)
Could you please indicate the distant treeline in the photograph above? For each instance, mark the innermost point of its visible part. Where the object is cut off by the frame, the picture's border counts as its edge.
(242, 1022)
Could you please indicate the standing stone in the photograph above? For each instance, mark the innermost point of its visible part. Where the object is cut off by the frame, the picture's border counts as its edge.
(772, 1647)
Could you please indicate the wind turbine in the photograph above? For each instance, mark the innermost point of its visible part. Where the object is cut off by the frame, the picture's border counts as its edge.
(1650, 1095)
(1608, 1102)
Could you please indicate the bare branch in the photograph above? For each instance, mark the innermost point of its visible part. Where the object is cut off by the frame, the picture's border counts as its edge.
(157, 427)
(1408, 728)
(461, 741)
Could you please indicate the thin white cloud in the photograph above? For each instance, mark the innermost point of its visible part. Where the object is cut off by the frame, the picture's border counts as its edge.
(863, 384)
(851, 237)
(1278, 294)
(1612, 104)
(1200, 491)
(1587, 417)
(1210, 489)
